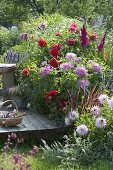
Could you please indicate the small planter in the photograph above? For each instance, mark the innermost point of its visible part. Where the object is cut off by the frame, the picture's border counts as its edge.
(20, 102)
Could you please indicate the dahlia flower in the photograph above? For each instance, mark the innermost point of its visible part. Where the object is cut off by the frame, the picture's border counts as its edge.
(81, 71)
(103, 99)
(100, 122)
(46, 70)
(95, 110)
(82, 130)
(83, 83)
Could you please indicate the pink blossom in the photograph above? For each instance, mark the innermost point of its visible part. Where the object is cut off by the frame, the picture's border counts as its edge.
(66, 66)
(81, 71)
(95, 110)
(46, 70)
(84, 83)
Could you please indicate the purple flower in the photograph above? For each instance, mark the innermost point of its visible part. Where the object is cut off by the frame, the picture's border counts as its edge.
(82, 130)
(81, 71)
(84, 37)
(102, 42)
(66, 66)
(84, 83)
(24, 36)
(42, 26)
(96, 67)
(78, 59)
(100, 122)
(46, 70)
(95, 110)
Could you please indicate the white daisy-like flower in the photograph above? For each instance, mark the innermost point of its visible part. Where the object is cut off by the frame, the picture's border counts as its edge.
(95, 110)
(103, 99)
(82, 130)
(100, 122)
(110, 103)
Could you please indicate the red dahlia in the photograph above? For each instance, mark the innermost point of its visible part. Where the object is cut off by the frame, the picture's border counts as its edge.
(51, 94)
(54, 52)
(42, 43)
(71, 41)
(54, 62)
(25, 72)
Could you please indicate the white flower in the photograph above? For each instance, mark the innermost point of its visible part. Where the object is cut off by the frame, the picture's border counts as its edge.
(95, 110)
(14, 28)
(71, 56)
(103, 98)
(73, 115)
(82, 130)
(110, 103)
(100, 122)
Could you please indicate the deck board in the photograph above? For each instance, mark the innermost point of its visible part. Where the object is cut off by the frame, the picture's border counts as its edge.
(36, 123)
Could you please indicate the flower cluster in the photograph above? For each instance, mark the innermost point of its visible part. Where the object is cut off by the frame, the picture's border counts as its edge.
(101, 119)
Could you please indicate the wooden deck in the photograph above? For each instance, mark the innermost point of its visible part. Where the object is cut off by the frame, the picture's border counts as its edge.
(36, 125)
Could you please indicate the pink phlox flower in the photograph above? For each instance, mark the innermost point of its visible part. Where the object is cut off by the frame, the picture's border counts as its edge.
(46, 70)
(96, 67)
(83, 83)
(66, 66)
(81, 71)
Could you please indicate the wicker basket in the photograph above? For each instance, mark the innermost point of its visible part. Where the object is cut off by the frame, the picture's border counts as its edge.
(11, 121)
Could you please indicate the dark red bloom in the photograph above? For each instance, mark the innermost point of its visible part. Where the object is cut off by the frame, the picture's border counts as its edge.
(51, 94)
(54, 52)
(25, 72)
(71, 41)
(42, 43)
(93, 37)
(58, 34)
(73, 28)
(63, 103)
(54, 62)
(57, 46)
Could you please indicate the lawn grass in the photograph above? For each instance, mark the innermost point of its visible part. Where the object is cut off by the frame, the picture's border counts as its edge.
(37, 163)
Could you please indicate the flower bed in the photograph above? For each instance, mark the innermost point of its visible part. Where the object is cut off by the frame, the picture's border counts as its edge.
(61, 64)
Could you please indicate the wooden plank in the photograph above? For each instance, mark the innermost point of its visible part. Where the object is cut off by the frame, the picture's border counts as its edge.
(28, 125)
(36, 122)
(45, 121)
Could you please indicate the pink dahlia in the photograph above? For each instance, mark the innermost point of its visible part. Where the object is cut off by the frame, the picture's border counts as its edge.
(83, 83)
(46, 70)
(81, 71)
